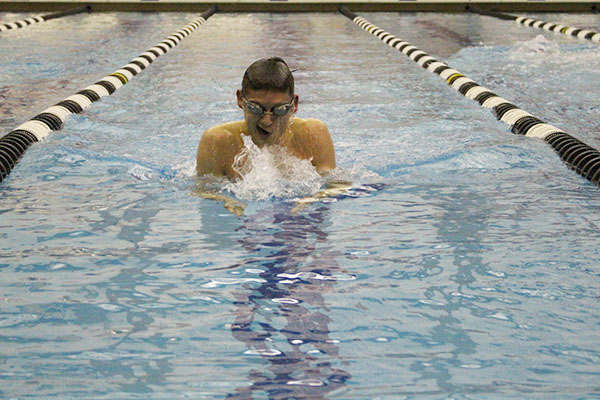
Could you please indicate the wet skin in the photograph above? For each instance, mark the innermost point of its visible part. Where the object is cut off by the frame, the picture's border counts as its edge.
(307, 139)
(267, 129)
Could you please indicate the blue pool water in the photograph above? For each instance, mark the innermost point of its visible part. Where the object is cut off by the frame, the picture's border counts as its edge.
(461, 264)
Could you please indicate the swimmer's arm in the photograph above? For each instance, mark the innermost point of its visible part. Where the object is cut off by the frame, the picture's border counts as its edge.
(215, 153)
(232, 205)
(207, 161)
(332, 189)
(323, 153)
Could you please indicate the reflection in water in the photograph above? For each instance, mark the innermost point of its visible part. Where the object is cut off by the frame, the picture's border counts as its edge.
(284, 319)
(119, 359)
(462, 225)
(455, 41)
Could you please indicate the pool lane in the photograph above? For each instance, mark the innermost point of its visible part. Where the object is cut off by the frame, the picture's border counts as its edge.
(15, 143)
(582, 158)
(536, 23)
(34, 20)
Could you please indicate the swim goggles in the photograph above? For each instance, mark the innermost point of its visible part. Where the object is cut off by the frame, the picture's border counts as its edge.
(278, 111)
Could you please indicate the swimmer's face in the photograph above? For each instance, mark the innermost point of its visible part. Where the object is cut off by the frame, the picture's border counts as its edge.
(267, 113)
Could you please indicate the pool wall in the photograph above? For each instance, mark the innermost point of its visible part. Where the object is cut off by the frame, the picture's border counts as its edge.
(304, 5)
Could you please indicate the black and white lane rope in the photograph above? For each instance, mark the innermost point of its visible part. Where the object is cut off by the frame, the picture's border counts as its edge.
(34, 20)
(14, 144)
(579, 156)
(549, 26)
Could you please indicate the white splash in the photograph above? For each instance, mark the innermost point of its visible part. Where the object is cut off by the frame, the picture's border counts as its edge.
(186, 169)
(271, 172)
(537, 45)
(142, 173)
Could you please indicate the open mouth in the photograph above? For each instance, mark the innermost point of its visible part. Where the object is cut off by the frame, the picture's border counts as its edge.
(262, 131)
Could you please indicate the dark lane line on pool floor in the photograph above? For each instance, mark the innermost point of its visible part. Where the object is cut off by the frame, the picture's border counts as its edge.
(14, 144)
(579, 156)
(34, 20)
(535, 23)
(443, 32)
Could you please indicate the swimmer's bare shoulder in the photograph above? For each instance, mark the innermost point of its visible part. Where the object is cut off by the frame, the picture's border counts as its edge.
(217, 149)
(314, 138)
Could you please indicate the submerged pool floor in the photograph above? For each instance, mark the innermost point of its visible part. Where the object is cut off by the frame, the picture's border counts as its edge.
(460, 264)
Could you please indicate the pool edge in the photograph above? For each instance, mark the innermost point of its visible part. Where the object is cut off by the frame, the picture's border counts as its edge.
(293, 6)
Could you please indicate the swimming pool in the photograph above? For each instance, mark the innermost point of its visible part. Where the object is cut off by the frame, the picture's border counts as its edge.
(461, 264)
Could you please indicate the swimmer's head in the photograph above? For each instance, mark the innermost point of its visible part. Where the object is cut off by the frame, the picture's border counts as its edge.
(268, 100)
(267, 113)
(268, 74)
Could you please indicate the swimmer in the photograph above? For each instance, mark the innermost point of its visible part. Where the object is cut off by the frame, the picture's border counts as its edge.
(269, 103)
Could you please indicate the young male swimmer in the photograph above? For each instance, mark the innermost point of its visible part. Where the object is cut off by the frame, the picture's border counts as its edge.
(269, 103)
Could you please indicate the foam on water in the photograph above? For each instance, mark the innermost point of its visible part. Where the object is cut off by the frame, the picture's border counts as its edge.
(542, 50)
(271, 172)
(539, 44)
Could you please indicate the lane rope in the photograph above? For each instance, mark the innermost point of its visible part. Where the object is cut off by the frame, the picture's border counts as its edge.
(34, 20)
(535, 23)
(579, 156)
(14, 144)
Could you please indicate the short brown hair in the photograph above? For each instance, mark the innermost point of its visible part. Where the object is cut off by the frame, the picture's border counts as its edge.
(268, 74)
